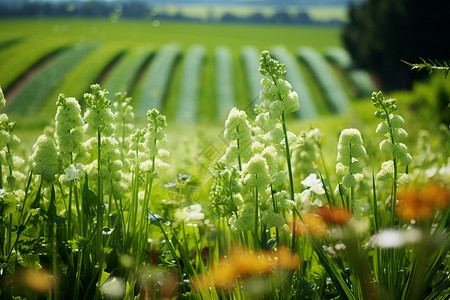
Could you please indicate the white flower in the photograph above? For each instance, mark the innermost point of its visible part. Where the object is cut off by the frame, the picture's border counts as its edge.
(444, 171)
(430, 172)
(317, 202)
(314, 184)
(302, 198)
(191, 213)
(74, 172)
(71, 173)
(314, 134)
(392, 238)
(114, 287)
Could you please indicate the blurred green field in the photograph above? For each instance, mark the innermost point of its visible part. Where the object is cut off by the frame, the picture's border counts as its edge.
(29, 44)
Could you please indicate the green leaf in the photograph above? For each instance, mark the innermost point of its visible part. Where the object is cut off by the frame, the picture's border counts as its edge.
(8, 203)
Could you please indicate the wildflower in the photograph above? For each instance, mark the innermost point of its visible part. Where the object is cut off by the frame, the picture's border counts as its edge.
(114, 288)
(73, 172)
(312, 224)
(238, 131)
(190, 213)
(350, 149)
(98, 116)
(421, 203)
(277, 95)
(256, 172)
(243, 263)
(68, 129)
(314, 184)
(390, 127)
(334, 215)
(393, 238)
(38, 280)
(285, 259)
(45, 158)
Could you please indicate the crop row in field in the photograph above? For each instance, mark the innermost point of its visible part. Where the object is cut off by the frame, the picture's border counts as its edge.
(126, 71)
(250, 62)
(119, 70)
(18, 65)
(150, 74)
(156, 78)
(336, 97)
(35, 93)
(358, 78)
(224, 81)
(187, 108)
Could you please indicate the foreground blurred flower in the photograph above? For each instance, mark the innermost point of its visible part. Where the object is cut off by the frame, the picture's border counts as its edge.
(392, 238)
(114, 287)
(243, 262)
(38, 280)
(310, 224)
(421, 203)
(334, 215)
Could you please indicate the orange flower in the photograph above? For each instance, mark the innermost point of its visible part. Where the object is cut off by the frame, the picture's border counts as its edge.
(310, 223)
(243, 262)
(334, 215)
(421, 203)
(285, 259)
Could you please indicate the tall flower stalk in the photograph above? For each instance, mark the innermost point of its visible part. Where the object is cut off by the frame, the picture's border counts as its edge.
(99, 119)
(69, 137)
(279, 100)
(390, 127)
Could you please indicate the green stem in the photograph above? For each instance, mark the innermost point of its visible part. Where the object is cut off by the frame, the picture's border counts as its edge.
(275, 209)
(239, 155)
(79, 211)
(256, 218)
(99, 200)
(69, 218)
(291, 179)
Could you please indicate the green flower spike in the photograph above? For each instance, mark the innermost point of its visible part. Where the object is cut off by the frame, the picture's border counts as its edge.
(45, 159)
(390, 128)
(350, 149)
(98, 116)
(69, 129)
(277, 95)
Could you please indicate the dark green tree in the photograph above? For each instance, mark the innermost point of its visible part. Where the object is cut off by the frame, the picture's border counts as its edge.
(381, 33)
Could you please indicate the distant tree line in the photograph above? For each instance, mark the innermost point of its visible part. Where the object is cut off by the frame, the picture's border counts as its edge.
(140, 10)
(76, 9)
